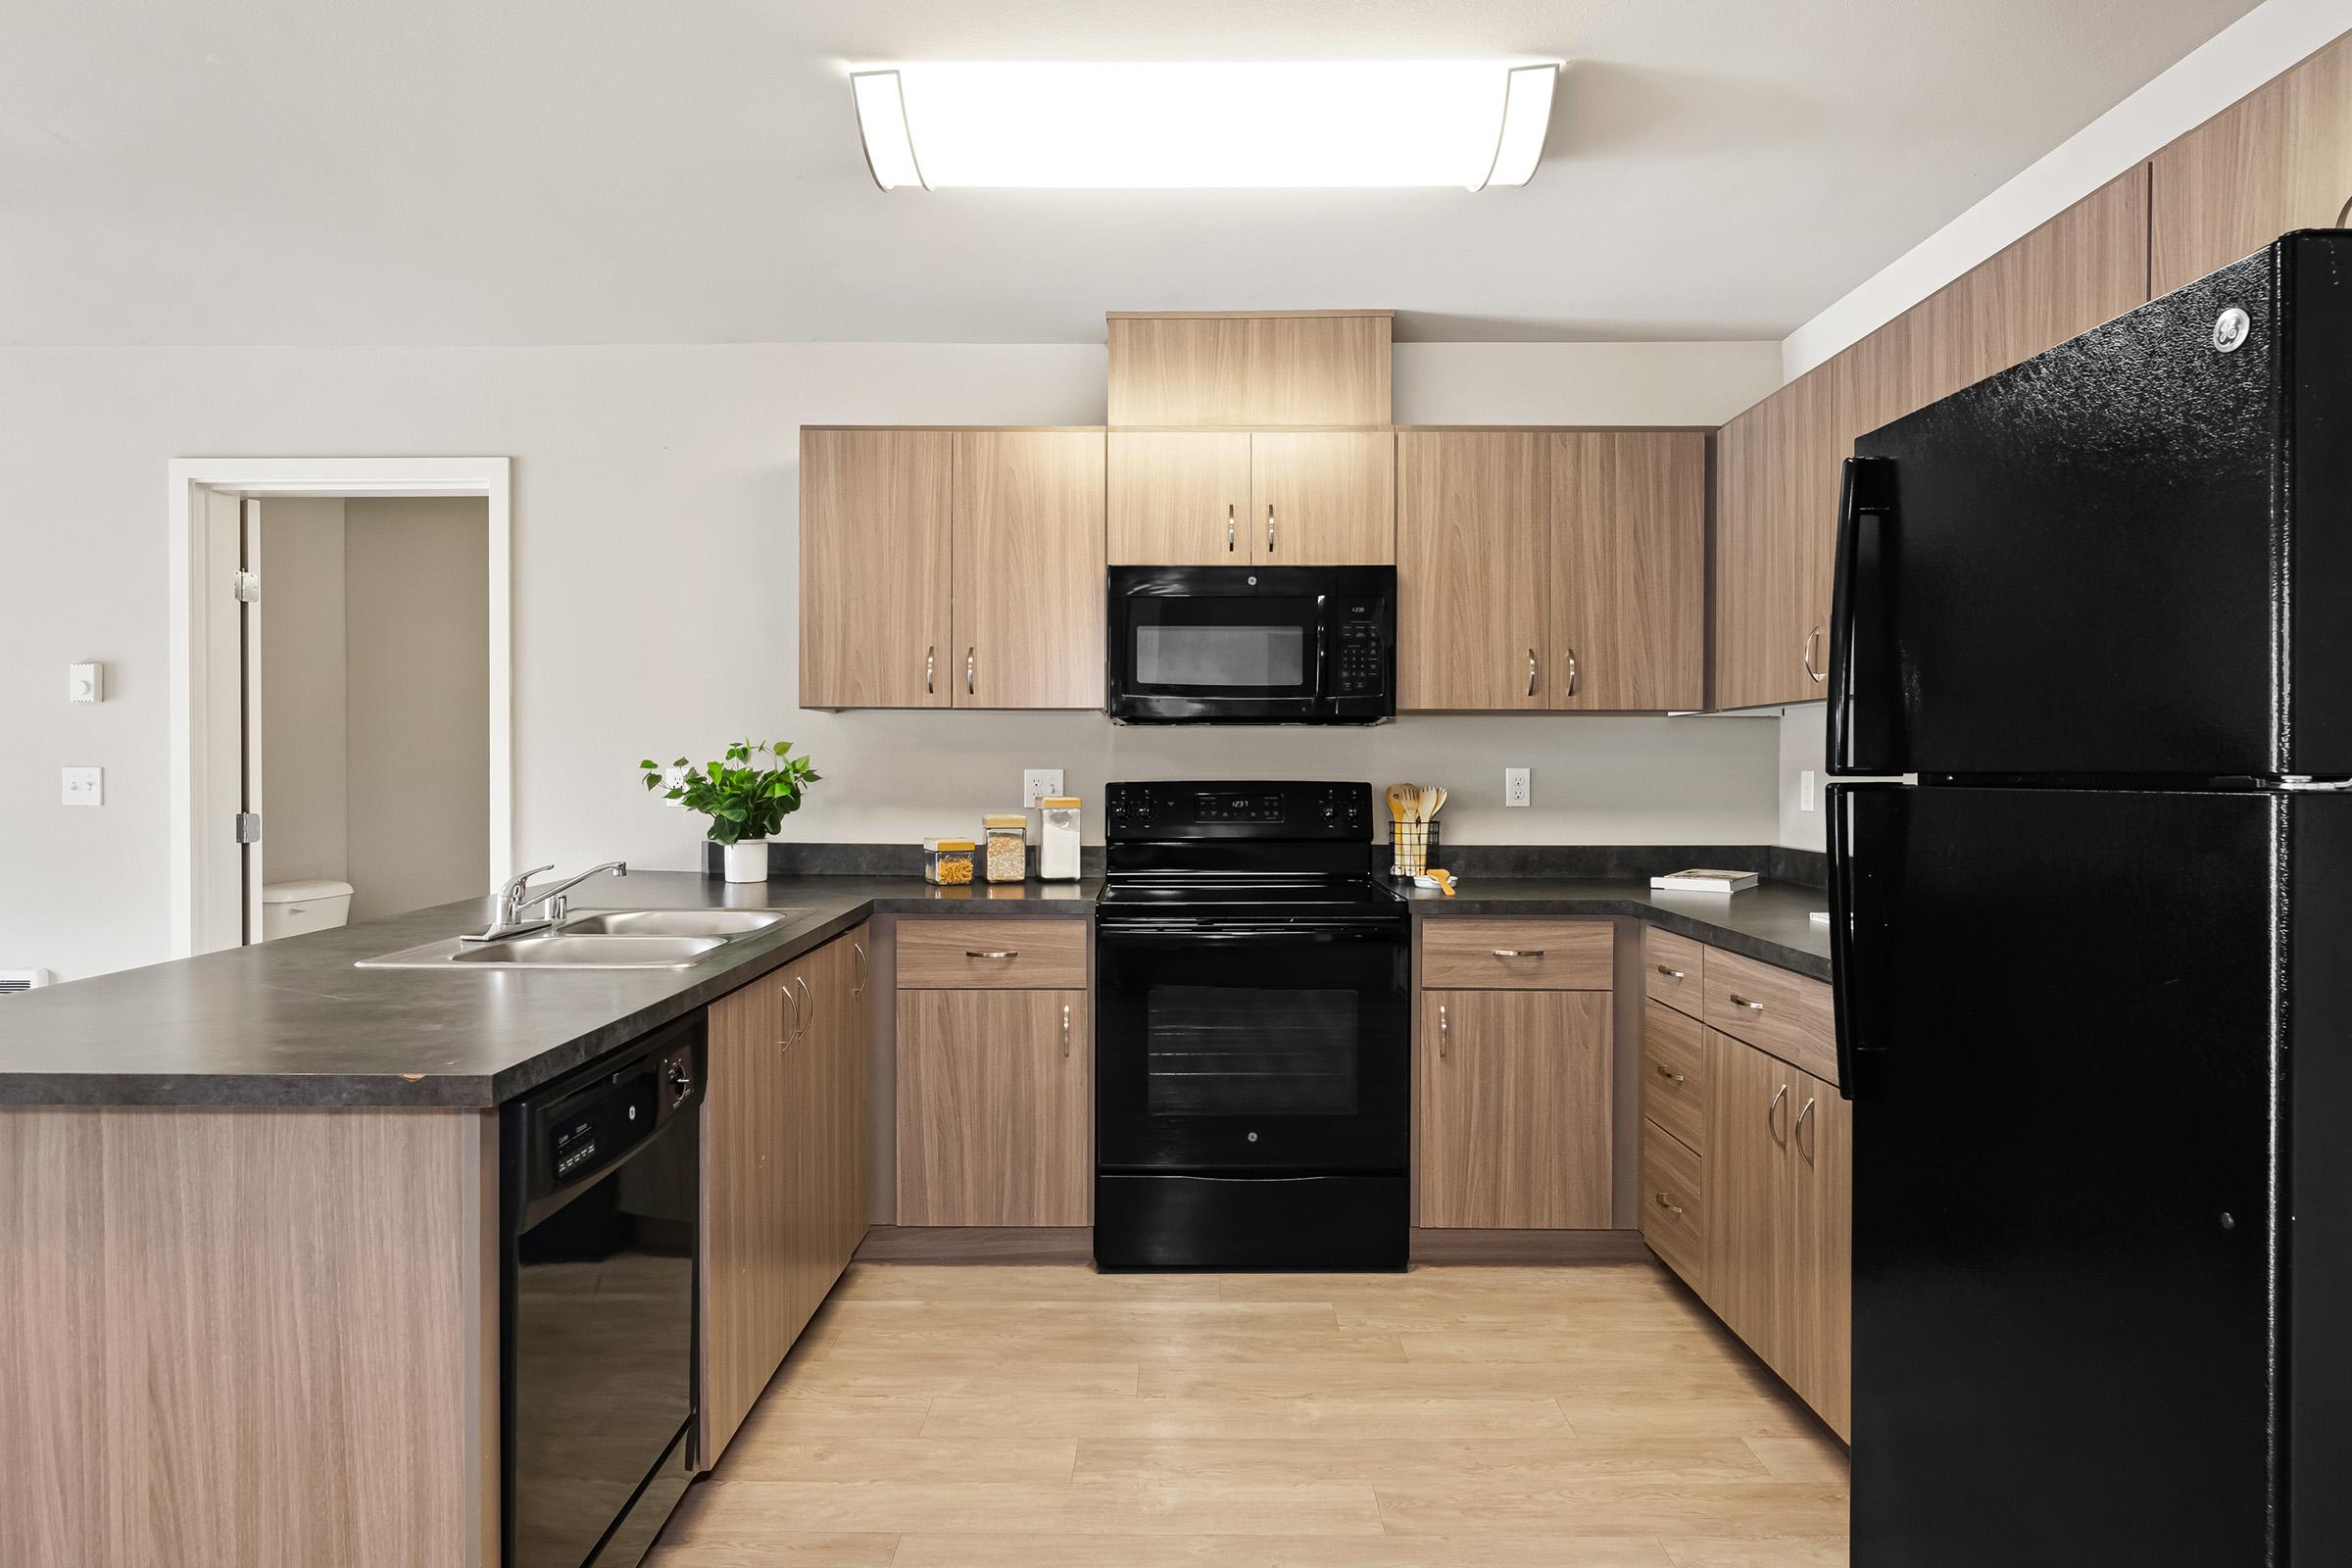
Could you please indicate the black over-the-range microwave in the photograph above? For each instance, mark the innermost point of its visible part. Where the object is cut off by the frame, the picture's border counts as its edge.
(1251, 645)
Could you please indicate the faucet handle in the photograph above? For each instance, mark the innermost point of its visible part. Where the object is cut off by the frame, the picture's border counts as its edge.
(510, 892)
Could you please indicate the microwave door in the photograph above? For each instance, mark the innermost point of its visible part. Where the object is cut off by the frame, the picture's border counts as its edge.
(1224, 656)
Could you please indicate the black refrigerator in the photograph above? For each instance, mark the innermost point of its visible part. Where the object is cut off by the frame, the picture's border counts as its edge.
(2095, 966)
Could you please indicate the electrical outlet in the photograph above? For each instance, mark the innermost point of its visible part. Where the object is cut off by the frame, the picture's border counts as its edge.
(84, 786)
(1805, 790)
(1516, 790)
(1039, 782)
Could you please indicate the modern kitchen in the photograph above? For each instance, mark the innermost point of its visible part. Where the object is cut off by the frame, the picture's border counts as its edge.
(911, 786)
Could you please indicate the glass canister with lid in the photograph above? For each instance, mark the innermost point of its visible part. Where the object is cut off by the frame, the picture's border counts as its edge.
(1007, 833)
(1058, 839)
(948, 862)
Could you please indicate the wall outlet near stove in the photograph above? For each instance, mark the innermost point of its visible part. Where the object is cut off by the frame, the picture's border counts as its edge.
(1036, 783)
(1516, 790)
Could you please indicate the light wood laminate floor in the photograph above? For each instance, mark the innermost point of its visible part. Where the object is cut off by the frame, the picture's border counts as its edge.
(1050, 1417)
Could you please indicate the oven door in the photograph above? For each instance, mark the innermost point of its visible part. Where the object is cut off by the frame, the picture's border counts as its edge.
(1227, 1048)
(1213, 643)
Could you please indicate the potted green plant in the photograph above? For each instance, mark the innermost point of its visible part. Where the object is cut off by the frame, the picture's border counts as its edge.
(745, 795)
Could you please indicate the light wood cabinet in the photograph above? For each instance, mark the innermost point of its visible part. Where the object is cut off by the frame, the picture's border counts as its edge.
(876, 569)
(1674, 1203)
(1181, 498)
(1247, 369)
(1674, 1074)
(993, 1107)
(1750, 1201)
(1473, 568)
(1512, 1109)
(1028, 552)
(993, 954)
(1789, 1015)
(1323, 498)
(783, 1169)
(1821, 1324)
(1629, 565)
(1518, 954)
(2279, 158)
(1673, 970)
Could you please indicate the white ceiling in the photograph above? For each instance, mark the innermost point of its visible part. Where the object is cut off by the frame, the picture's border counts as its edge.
(687, 170)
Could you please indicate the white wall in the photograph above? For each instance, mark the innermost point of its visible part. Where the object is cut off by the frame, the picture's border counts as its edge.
(419, 792)
(2241, 57)
(656, 559)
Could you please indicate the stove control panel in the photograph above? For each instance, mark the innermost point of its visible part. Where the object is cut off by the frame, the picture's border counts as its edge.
(1243, 810)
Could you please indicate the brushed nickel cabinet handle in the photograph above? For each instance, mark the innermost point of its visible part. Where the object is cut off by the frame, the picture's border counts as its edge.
(1769, 1110)
(1672, 974)
(931, 670)
(1738, 1000)
(991, 953)
(1517, 952)
(971, 665)
(808, 1004)
(1798, 1131)
(1531, 673)
(1444, 1029)
(1269, 527)
(1065, 1029)
(1228, 534)
(1571, 691)
(1671, 1208)
(1670, 1077)
(864, 968)
(786, 988)
(1818, 675)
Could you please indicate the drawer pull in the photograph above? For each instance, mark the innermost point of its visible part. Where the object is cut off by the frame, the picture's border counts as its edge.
(991, 953)
(1672, 974)
(1773, 1110)
(1798, 1131)
(1670, 1077)
(1671, 1208)
(1444, 1029)
(1065, 1038)
(1738, 1000)
(1518, 953)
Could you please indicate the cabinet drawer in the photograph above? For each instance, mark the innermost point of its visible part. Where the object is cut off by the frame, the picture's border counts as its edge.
(1672, 1212)
(1671, 969)
(1517, 955)
(1009, 955)
(1674, 1074)
(1774, 1011)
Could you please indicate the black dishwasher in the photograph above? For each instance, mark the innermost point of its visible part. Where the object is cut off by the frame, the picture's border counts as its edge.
(601, 1180)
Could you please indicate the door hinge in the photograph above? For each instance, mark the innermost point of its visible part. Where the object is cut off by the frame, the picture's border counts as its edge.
(249, 827)
(248, 587)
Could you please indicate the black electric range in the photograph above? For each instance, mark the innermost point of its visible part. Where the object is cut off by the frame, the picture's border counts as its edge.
(1253, 1085)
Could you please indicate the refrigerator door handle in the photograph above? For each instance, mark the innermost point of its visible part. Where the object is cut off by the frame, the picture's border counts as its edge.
(1867, 491)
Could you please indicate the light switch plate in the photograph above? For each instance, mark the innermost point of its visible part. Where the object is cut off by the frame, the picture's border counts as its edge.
(1036, 783)
(84, 786)
(1516, 790)
(1807, 790)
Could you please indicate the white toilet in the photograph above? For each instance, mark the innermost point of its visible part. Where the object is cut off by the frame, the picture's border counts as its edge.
(289, 908)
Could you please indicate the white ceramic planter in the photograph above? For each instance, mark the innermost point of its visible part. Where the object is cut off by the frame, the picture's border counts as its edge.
(746, 861)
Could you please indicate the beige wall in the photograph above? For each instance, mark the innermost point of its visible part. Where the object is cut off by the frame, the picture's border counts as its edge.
(302, 689)
(416, 595)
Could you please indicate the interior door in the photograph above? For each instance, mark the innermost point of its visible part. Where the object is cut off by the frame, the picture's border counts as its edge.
(1474, 567)
(250, 770)
(1029, 568)
(1629, 570)
(1323, 498)
(1181, 498)
(875, 553)
(2059, 1017)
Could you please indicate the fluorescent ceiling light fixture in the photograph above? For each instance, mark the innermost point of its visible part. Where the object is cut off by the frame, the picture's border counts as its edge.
(1467, 123)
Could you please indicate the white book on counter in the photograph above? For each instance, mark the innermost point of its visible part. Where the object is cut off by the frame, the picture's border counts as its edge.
(1701, 880)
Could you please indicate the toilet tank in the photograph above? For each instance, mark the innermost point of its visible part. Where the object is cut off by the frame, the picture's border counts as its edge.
(289, 908)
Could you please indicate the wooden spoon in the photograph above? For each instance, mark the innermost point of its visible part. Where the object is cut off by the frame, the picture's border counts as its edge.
(1402, 801)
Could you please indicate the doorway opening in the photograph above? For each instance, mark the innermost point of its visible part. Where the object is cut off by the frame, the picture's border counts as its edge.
(341, 716)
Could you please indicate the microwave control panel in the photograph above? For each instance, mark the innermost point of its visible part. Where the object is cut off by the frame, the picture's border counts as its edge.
(1361, 669)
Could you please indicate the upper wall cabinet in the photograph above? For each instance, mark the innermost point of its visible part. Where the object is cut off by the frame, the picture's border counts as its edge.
(1778, 464)
(875, 530)
(1550, 570)
(1281, 369)
(2279, 158)
(1229, 498)
(952, 568)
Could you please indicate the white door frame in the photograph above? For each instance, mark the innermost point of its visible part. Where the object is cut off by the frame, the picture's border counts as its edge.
(192, 481)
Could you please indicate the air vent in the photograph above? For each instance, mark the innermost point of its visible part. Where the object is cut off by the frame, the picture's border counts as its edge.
(13, 981)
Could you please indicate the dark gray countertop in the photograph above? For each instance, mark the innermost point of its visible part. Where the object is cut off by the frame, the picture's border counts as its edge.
(293, 1024)
(1771, 922)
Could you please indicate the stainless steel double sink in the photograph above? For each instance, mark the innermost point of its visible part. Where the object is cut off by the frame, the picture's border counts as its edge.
(597, 939)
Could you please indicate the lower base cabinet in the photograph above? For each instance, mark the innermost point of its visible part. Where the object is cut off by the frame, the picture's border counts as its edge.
(783, 1169)
(1512, 1109)
(993, 1107)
